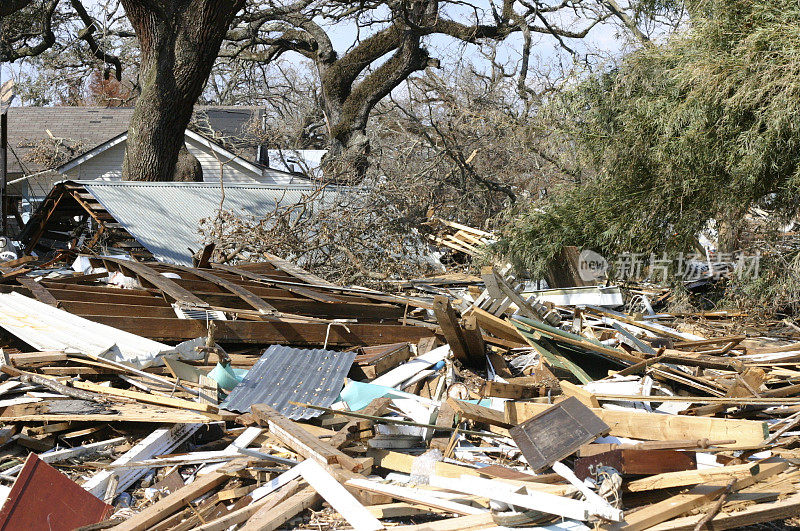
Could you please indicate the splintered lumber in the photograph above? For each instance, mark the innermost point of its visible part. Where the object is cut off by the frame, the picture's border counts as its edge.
(509, 390)
(337, 496)
(39, 292)
(302, 442)
(495, 325)
(499, 365)
(283, 512)
(760, 513)
(404, 463)
(22, 359)
(262, 500)
(589, 450)
(252, 509)
(557, 432)
(560, 336)
(153, 514)
(461, 523)
(689, 477)
(536, 501)
(473, 338)
(121, 412)
(398, 510)
(411, 368)
(696, 497)
(478, 413)
(166, 285)
(391, 420)
(145, 397)
(376, 408)
(160, 441)
(445, 419)
(570, 389)
(451, 329)
(660, 427)
(414, 496)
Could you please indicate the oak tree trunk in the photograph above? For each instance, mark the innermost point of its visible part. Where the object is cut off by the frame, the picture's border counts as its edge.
(348, 104)
(179, 42)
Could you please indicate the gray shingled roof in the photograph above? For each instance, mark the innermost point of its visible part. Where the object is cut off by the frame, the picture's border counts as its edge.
(87, 127)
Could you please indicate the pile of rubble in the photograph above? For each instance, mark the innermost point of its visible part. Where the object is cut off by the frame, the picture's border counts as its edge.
(143, 395)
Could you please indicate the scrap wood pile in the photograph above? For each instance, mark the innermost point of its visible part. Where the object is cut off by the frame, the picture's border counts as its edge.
(150, 396)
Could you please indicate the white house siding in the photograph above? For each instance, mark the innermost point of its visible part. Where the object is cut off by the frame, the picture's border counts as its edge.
(106, 165)
(215, 163)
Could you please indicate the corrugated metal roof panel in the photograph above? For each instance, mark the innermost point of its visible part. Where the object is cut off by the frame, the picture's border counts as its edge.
(284, 374)
(45, 327)
(165, 217)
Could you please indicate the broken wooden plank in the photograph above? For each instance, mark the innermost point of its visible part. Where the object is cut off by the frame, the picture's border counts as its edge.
(415, 496)
(146, 397)
(659, 427)
(478, 413)
(337, 496)
(688, 477)
(283, 512)
(167, 286)
(700, 495)
(451, 329)
(302, 442)
(39, 292)
(156, 512)
(243, 293)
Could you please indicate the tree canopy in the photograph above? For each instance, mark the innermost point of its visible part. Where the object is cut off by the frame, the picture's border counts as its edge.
(700, 127)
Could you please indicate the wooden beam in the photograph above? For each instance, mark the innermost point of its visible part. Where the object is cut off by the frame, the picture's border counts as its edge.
(158, 511)
(376, 408)
(696, 497)
(283, 512)
(473, 339)
(338, 497)
(264, 332)
(496, 325)
(658, 427)
(39, 292)
(448, 321)
(166, 285)
(755, 514)
(145, 397)
(302, 442)
(685, 478)
(299, 290)
(479, 413)
(246, 295)
(296, 271)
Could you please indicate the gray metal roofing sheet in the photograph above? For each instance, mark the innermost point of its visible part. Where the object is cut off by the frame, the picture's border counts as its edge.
(284, 374)
(165, 217)
(88, 127)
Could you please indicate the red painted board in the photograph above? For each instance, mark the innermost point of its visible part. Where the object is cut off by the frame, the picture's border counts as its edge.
(43, 498)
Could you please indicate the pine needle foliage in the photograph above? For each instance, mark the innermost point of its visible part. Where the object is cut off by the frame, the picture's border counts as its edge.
(700, 127)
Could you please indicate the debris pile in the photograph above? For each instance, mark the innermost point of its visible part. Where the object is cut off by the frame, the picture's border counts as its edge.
(146, 395)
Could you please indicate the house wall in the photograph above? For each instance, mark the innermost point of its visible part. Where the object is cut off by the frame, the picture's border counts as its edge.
(214, 165)
(108, 166)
